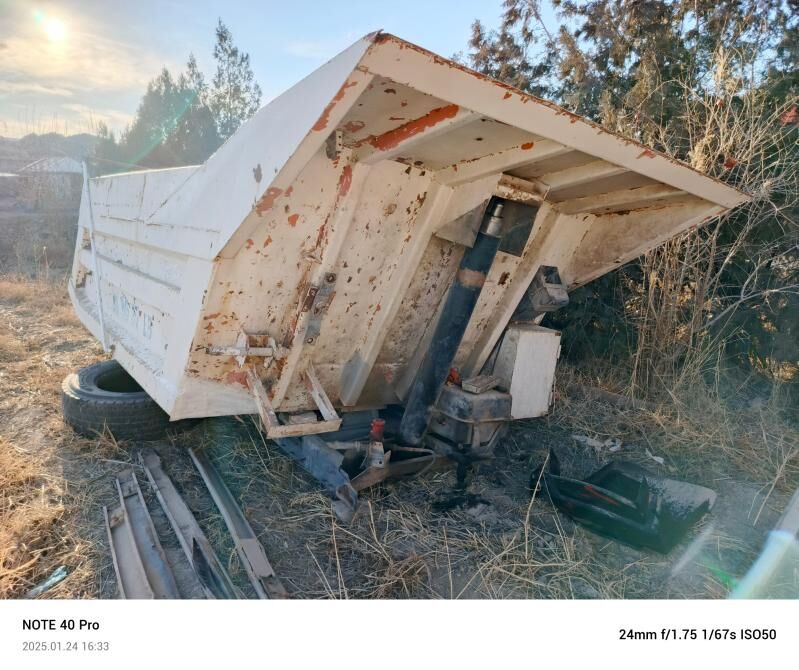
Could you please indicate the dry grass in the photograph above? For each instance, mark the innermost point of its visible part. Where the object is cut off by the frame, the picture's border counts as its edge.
(501, 544)
(506, 545)
(31, 509)
(698, 426)
(41, 500)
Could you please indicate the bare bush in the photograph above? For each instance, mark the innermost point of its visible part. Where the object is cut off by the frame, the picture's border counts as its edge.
(699, 289)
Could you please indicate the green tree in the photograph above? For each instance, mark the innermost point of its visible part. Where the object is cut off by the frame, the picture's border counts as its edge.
(182, 120)
(173, 126)
(715, 84)
(234, 96)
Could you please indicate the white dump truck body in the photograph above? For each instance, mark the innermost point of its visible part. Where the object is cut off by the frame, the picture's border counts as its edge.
(328, 229)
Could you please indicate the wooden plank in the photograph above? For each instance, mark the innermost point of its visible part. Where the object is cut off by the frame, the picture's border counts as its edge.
(480, 384)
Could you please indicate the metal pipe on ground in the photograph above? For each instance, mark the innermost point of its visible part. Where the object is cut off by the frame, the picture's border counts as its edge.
(458, 308)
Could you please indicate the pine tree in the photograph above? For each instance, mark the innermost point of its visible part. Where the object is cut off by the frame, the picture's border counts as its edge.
(234, 96)
(714, 83)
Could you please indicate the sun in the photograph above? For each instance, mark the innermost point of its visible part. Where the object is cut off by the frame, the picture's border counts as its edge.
(55, 30)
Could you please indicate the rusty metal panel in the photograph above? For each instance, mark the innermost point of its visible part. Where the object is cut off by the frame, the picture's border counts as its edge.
(333, 220)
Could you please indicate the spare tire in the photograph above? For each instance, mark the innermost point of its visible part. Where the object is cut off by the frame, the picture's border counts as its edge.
(104, 397)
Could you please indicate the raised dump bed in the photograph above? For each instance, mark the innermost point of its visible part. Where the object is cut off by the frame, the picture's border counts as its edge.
(303, 269)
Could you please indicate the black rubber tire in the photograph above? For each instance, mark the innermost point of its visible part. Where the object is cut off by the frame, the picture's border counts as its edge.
(104, 397)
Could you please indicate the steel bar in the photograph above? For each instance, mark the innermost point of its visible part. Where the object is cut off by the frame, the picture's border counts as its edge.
(143, 569)
(213, 578)
(250, 551)
(131, 578)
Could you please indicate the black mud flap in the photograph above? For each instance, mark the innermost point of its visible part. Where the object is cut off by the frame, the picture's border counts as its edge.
(625, 502)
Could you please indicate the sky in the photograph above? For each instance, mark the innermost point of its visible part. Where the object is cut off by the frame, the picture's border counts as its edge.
(67, 65)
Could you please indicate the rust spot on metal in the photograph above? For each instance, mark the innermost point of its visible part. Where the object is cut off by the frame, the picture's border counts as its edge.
(526, 97)
(392, 138)
(390, 90)
(507, 95)
(396, 118)
(354, 126)
(646, 153)
(267, 201)
(321, 123)
(293, 220)
(404, 103)
(215, 315)
(309, 298)
(503, 278)
(236, 377)
(345, 181)
(249, 243)
(471, 278)
(527, 146)
(268, 241)
(321, 234)
(389, 209)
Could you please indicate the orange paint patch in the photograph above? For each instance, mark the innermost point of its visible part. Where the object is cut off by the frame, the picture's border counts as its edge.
(236, 377)
(646, 153)
(321, 234)
(345, 181)
(268, 200)
(393, 138)
(354, 126)
(321, 123)
(211, 316)
(527, 146)
(293, 220)
(507, 95)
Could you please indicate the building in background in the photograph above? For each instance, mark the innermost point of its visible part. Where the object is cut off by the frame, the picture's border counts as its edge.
(50, 183)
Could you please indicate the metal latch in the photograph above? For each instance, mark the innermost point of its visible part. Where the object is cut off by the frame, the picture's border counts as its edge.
(249, 344)
(316, 302)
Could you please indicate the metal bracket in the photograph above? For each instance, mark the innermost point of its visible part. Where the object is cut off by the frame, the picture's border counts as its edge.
(317, 301)
(273, 427)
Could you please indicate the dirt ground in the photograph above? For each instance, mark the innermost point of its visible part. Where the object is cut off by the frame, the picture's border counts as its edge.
(497, 544)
